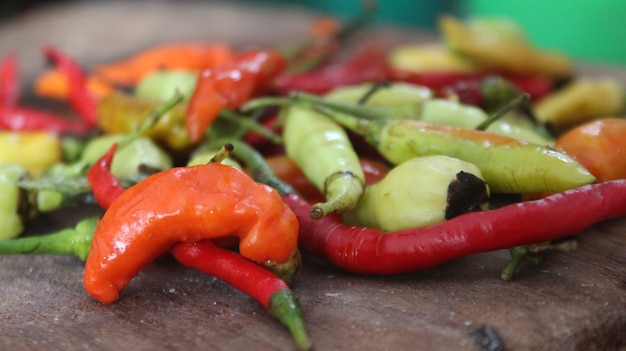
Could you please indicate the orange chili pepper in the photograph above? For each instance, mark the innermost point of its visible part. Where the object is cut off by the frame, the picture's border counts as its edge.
(229, 86)
(183, 55)
(600, 146)
(202, 202)
(53, 84)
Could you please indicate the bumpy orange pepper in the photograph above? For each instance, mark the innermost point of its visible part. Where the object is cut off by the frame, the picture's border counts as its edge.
(188, 204)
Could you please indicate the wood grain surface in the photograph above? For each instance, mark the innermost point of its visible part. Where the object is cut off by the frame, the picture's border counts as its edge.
(570, 301)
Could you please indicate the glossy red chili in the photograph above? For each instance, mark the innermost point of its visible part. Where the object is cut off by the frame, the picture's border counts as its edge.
(104, 185)
(31, 119)
(467, 84)
(371, 251)
(250, 278)
(9, 81)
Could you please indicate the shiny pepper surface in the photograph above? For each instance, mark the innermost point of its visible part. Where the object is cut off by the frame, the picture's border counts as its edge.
(187, 204)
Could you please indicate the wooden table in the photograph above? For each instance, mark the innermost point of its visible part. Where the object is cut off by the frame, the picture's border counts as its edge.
(570, 301)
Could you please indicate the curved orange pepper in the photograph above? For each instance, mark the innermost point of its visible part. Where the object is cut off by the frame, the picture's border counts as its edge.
(179, 55)
(187, 204)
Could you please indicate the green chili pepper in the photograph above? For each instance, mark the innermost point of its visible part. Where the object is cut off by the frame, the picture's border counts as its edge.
(141, 152)
(161, 85)
(122, 114)
(438, 111)
(419, 192)
(391, 94)
(323, 151)
(12, 201)
(71, 241)
(508, 165)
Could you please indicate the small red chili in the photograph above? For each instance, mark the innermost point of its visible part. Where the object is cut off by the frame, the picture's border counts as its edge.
(467, 84)
(32, 119)
(104, 185)
(9, 81)
(80, 98)
(259, 283)
(371, 251)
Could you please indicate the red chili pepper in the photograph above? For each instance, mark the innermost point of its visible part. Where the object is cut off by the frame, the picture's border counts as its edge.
(81, 99)
(443, 82)
(367, 65)
(259, 283)
(229, 86)
(104, 185)
(31, 119)
(371, 251)
(9, 81)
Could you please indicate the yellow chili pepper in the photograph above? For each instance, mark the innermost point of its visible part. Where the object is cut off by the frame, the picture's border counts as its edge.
(35, 151)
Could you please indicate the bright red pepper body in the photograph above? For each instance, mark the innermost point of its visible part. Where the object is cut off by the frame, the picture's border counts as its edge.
(262, 285)
(31, 119)
(371, 251)
(9, 81)
(104, 185)
(367, 65)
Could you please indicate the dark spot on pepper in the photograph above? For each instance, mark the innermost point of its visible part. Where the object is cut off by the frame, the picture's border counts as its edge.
(466, 193)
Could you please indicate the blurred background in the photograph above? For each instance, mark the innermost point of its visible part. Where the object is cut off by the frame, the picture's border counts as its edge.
(586, 30)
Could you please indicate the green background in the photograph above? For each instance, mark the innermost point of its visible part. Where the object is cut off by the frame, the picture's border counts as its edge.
(587, 30)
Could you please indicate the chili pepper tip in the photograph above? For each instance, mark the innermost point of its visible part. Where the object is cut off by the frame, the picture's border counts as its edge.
(285, 307)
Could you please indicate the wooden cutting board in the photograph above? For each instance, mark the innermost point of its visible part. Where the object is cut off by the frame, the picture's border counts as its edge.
(570, 301)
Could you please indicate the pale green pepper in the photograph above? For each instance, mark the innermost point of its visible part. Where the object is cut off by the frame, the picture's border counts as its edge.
(12, 199)
(508, 165)
(161, 85)
(421, 191)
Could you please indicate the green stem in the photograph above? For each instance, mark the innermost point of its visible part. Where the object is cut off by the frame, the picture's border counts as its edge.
(250, 125)
(511, 105)
(261, 171)
(518, 255)
(284, 306)
(263, 102)
(71, 241)
(360, 126)
(498, 90)
(152, 119)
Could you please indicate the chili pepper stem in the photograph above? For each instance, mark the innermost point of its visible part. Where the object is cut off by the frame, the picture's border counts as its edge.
(261, 171)
(285, 307)
(262, 102)
(152, 118)
(71, 241)
(341, 199)
(222, 153)
(531, 253)
(250, 126)
(514, 103)
(518, 255)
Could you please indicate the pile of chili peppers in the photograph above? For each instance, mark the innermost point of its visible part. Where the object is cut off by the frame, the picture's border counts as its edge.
(301, 171)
